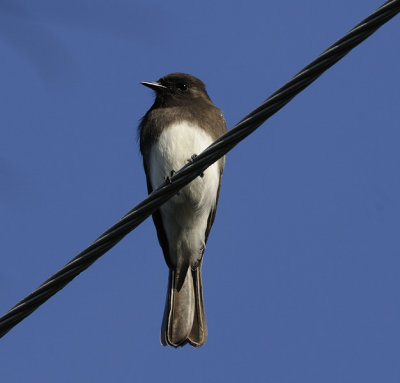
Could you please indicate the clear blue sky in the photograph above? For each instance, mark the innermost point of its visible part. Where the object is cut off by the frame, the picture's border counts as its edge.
(302, 269)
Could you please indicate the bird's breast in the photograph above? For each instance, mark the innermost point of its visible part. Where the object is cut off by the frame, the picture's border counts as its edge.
(172, 150)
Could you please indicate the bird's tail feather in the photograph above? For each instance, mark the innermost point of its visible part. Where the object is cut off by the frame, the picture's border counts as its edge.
(198, 335)
(184, 319)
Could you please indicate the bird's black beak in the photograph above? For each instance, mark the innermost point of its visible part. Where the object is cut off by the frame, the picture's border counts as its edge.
(153, 85)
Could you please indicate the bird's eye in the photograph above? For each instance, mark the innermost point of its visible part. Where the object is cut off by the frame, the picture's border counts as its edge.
(182, 87)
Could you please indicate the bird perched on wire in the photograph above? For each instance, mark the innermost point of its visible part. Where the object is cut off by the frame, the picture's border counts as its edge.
(181, 123)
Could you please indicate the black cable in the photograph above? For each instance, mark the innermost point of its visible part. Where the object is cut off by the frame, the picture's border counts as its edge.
(189, 172)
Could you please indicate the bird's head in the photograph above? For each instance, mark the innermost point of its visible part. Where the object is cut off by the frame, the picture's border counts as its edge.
(176, 88)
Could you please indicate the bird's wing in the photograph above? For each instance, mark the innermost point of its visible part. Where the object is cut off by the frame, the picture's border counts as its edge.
(162, 236)
(213, 211)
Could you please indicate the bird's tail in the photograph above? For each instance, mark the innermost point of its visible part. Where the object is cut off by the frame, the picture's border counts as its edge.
(184, 319)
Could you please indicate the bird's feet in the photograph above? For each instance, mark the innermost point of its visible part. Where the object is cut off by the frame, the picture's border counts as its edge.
(192, 157)
(168, 178)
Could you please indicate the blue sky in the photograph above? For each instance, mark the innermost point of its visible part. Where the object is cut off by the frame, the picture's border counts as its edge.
(301, 271)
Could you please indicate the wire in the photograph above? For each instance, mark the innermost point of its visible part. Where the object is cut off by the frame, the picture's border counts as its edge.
(190, 171)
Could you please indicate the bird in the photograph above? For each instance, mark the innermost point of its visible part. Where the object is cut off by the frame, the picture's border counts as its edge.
(180, 124)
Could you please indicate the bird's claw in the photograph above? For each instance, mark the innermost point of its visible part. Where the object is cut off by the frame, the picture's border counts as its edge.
(191, 159)
(168, 178)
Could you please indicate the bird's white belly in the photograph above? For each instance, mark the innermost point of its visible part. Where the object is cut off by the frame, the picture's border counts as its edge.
(184, 215)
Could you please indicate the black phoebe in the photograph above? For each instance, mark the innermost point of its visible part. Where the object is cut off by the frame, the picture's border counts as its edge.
(182, 122)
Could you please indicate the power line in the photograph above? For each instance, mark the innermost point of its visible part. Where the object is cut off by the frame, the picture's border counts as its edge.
(189, 172)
